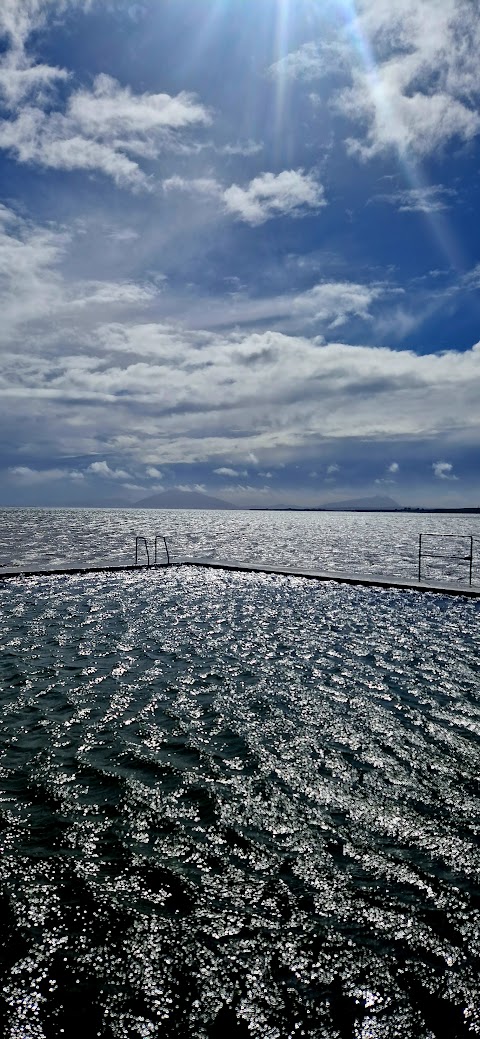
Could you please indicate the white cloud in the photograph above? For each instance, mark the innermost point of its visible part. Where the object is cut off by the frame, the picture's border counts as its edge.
(291, 192)
(124, 234)
(26, 474)
(53, 140)
(103, 469)
(101, 130)
(305, 63)
(199, 488)
(203, 395)
(33, 289)
(106, 128)
(444, 471)
(432, 198)
(391, 470)
(138, 390)
(18, 18)
(245, 148)
(106, 293)
(112, 111)
(195, 185)
(418, 84)
(472, 279)
(136, 487)
(29, 282)
(312, 61)
(19, 79)
(153, 473)
(334, 302)
(331, 469)
(20, 76)
(329, 304)
(225, 471)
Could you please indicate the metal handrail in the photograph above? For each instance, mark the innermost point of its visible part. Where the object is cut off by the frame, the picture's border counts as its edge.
(161, 537)
(432, 555)
(137, 540)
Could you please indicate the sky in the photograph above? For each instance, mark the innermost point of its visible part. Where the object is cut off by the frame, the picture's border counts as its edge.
(239, 250)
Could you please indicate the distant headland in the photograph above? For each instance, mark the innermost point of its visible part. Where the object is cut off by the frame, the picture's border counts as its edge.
(375, 503)
(177, 499)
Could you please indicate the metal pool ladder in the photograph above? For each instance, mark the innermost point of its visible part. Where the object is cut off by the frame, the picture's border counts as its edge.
(433, 555)
(141, 542)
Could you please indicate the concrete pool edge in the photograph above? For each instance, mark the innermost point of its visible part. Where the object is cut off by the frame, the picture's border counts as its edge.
(338, 576)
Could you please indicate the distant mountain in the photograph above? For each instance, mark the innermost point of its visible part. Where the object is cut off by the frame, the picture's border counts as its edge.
(181, 500)
(376, 503)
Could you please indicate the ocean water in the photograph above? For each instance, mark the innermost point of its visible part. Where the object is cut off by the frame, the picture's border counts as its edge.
(237, 804)
(377, 543)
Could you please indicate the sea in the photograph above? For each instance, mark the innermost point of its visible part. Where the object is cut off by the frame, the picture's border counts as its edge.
(238, 804)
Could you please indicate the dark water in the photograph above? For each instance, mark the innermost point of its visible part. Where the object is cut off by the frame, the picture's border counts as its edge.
(237, 805)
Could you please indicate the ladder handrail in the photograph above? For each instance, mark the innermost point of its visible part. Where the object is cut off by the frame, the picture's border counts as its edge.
(432, 555)
(161, 537)
(137, 539)
(140, 539)
(421, 549)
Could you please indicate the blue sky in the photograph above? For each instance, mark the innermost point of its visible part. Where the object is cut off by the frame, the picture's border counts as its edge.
(239, 250)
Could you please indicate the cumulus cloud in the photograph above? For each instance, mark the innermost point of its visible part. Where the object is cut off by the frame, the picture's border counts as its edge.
(422, 85)
(102, 129)
(194, 395)
(411, 75)
(333, 302)
(103, 469)
(110, 110)
(106, 128)
(444, 471)
(291, 192)
(391, 471)
(136, 390)
(225, 471)
(199, 488)
(25, 474)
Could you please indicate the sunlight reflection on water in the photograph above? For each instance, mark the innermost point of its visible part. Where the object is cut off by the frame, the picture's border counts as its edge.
(381, 543)
(238, 803)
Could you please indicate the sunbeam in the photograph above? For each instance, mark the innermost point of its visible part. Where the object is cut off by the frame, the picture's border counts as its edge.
(410, 166)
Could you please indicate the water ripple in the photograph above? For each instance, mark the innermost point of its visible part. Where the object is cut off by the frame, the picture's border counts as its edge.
(238, 803)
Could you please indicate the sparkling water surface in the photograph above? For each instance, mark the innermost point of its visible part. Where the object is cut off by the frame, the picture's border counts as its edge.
(234, 804)
(377, 543)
